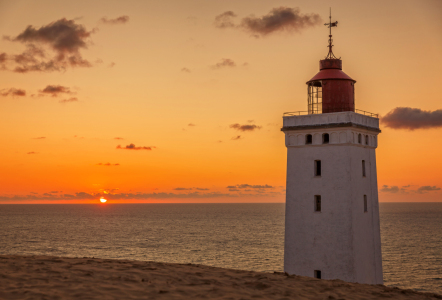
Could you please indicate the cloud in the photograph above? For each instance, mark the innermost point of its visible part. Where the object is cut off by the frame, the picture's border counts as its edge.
(191, 125)
(118, 138)
(278, 19)
(182, 189)
(39, 138)
(117, 196)
(427, 188)
(224, 20)
(248, 186)
(224, 63)
(107, 164)
(73, 99)
(32, 152)
(412, 118)
(3, 57)
(389, 189)
(186, 70)
(12, 92)
(119, 20)
(247, 127)
(64, 38)
(238, 137)
(55, 90)
(133, 147)
(201, 189)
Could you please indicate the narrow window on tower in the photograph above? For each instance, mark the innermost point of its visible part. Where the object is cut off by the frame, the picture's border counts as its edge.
(317, 203)
(363, 168)
(325, 138)
(365, 203)
(366, 140)
(318, 168)
(360, 139)
(308, 139)
(317, 274)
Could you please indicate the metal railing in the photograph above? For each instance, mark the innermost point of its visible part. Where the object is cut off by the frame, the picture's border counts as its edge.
(366, 113)
(295, 113)
(359, 111)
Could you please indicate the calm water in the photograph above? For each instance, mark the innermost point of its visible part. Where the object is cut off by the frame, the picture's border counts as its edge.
(241, 236)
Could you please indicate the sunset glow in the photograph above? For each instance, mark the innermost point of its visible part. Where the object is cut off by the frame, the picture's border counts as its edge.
(182, 101)
(102, 200)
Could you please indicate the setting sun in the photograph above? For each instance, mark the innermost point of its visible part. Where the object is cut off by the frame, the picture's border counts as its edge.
(102, 200)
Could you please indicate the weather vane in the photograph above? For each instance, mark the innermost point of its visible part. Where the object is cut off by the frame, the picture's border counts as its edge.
(331, 24)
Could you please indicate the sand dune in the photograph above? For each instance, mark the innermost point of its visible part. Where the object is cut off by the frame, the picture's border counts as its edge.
(45, 277)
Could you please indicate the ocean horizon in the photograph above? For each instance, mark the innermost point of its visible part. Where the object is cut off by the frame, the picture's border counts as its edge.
(246, 236)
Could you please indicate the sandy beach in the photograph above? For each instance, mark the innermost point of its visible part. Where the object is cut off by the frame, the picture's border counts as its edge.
(45, 277)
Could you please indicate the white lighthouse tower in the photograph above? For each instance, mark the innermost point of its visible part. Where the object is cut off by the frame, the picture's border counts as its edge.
(332, 211)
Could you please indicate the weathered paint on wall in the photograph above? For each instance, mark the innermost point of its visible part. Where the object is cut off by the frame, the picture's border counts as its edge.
(342, 241)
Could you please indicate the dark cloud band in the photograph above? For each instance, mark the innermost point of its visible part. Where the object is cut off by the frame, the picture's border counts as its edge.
(278, 19)
(412, 118)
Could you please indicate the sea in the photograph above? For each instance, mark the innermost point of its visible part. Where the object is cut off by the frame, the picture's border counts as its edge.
(237, 236)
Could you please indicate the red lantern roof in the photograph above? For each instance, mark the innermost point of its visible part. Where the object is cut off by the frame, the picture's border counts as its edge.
(331, 74)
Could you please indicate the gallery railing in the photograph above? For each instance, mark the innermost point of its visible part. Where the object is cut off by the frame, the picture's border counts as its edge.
(359, 111)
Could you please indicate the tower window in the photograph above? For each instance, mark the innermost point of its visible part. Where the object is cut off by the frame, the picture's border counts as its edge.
(308, 139)
(360, 139)
(317, 274)
(325, 138)
(317, 203)
(365, 203)
(366, 140)
(318, 168)
(363, 168)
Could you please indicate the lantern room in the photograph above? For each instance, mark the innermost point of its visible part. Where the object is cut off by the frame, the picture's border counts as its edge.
(331, 90)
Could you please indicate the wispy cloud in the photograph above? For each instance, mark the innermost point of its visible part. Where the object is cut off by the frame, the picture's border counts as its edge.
(115, 196)
(246, 127)
(235, 138)
(108, 164)
(65, 38)
(118, 138)
(279, 19)
(224, 20)
(412, 118)
(427, 188)
(224, 63)
(182, 189)
(56, 90)
(69, 100)
(32, 152)
(12, 92)
(250, 186)
(119, 20)
(405, 189)
(39, 138)
(389, 189)
(185, 70)
(133, 147)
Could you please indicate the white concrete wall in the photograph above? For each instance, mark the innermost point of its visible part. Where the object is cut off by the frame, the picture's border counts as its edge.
(331, 118)
(342, 240)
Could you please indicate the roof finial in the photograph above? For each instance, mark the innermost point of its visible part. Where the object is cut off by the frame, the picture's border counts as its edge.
(331, 24)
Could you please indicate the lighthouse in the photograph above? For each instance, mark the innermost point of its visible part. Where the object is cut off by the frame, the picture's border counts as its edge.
(332, 210)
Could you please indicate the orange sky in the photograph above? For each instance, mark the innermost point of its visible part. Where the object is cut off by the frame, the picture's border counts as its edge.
(156, 79)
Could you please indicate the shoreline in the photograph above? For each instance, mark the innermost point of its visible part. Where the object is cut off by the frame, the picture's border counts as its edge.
(49, 277)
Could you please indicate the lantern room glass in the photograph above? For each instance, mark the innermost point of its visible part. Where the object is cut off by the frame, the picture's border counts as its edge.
(315, 97)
